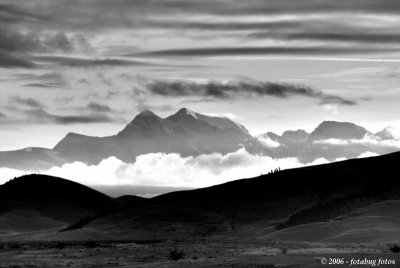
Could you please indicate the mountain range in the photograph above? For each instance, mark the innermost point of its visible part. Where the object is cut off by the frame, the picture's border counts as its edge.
(191, 134)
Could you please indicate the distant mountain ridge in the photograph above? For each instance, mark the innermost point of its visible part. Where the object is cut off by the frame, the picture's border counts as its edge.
(338, 130)
(330, 140)
(185, 132)
(191, 134)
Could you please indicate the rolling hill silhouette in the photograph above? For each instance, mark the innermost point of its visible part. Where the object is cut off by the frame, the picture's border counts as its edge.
(348, 197)
(37, 202)
(265, 205)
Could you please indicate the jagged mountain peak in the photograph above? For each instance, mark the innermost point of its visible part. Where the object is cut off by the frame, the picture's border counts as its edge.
(145, 117)
(186, 111)
(183, 114)
(146, 114)
(146, 123)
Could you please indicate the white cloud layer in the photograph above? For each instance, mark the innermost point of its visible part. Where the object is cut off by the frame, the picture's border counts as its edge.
(231, 116)
(367, 154)
(160, 169)
(367, 140)
(394, 130)
(267, 142)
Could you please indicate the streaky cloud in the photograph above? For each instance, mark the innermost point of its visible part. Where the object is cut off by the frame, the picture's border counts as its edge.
(350, 36)
(235, 89)
(262, 51)
(25, 102)
(88, 62)
(42, 116)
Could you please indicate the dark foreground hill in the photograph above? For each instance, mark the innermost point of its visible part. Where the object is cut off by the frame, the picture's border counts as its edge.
(36, 201)
(266, 207)
(262, 205)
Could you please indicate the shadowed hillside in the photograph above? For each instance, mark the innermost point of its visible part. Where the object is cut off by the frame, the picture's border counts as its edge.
(378, 222)
(38, 201)
(255, 207)
(274, 201)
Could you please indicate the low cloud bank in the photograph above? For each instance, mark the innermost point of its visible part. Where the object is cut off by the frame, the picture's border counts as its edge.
(160, 169)
(268, 142)
(367, 140)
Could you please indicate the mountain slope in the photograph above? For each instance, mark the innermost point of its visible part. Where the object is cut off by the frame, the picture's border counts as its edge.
(30, 159)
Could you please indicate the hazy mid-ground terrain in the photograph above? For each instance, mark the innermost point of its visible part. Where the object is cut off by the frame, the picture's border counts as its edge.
(341, 213)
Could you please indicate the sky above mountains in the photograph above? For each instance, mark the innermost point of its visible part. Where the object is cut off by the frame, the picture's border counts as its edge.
(89, 66)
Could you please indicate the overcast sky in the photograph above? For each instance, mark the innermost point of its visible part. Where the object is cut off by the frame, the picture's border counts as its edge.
(90, 66)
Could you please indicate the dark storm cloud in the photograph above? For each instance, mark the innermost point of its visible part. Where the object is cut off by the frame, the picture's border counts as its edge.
(56, 10)
(141, 13)
(8, 60)
(34, 41)
(230, 90)
(12, 13)
(225, 16)
(15, 46)
(2, 115)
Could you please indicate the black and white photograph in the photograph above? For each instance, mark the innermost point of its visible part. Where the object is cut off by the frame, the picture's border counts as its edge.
(199, 133)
